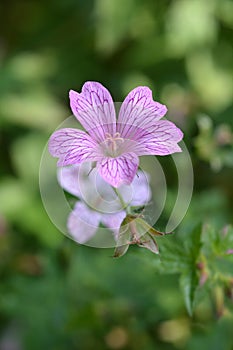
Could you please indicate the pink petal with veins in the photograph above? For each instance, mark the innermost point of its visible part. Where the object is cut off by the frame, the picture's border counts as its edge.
(162, 141)
(94, 109)
(72, 146)
(139, 110)
(120, 170)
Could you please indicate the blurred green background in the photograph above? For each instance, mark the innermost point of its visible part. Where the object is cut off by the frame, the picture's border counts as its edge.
(55, 294)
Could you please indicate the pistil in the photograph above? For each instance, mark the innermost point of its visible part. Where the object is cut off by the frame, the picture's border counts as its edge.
(112, 144)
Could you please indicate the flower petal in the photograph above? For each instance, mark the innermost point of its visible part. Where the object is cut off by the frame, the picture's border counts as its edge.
(80, 181)
(139, 193)
(141, 189)
(113, 221)
(94, 109)
(120, 170)
(83, 223)
(72, 146)
(139, 110)
(162, 141)
(68, 179)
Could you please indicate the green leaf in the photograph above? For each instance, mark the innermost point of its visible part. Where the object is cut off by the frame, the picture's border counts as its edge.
(226, 239)
(189, 283)
(224, 265)
(174, 258)
(194, 243)
(189, 280)
(217, 242)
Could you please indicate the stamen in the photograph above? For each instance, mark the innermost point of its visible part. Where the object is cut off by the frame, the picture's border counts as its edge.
(112, 143)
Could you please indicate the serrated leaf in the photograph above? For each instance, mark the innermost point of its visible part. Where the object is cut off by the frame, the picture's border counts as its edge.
(174, 258)
(194, 243)
(189, 280)
(189, 283)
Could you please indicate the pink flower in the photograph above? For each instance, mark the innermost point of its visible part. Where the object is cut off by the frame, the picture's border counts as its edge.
(98, 202)
(115, 145)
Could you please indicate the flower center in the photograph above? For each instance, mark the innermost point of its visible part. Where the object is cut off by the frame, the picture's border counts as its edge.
(112, 144)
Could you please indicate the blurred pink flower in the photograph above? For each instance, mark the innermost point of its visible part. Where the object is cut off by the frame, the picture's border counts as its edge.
(115, 145)
(98, 202)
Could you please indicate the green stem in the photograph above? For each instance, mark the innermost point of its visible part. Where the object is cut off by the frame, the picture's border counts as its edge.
(121, 199)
